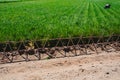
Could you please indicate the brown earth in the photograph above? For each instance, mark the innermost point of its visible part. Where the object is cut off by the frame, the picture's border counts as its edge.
(103, 66)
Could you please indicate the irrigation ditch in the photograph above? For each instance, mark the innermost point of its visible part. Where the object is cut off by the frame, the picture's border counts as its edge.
(11, 51)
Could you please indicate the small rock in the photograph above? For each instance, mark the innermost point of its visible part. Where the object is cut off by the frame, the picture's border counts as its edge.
(115, 70)
(80, 65)
(101, 63)
(82, 70)
(107, 73)
(1, 67)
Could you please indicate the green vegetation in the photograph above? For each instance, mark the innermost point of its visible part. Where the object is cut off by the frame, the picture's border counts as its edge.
(38, 19)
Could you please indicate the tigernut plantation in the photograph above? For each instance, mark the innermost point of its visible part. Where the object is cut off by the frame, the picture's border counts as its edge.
(59, 39)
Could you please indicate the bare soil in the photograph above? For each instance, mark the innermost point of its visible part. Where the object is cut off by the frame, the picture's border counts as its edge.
(103, 66)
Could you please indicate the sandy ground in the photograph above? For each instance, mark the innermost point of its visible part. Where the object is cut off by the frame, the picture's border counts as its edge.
(104, 66)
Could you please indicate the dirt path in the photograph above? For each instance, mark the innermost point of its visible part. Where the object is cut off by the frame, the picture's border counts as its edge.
(105, 66)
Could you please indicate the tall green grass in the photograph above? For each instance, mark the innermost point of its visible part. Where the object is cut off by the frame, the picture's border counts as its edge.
(38, 19)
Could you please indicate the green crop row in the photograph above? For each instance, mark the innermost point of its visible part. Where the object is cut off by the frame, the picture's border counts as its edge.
(39, 19)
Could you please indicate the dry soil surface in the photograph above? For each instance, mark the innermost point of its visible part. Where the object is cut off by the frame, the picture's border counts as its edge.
(104, 66)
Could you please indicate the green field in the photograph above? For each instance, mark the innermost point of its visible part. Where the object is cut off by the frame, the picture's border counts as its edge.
(39, 19)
